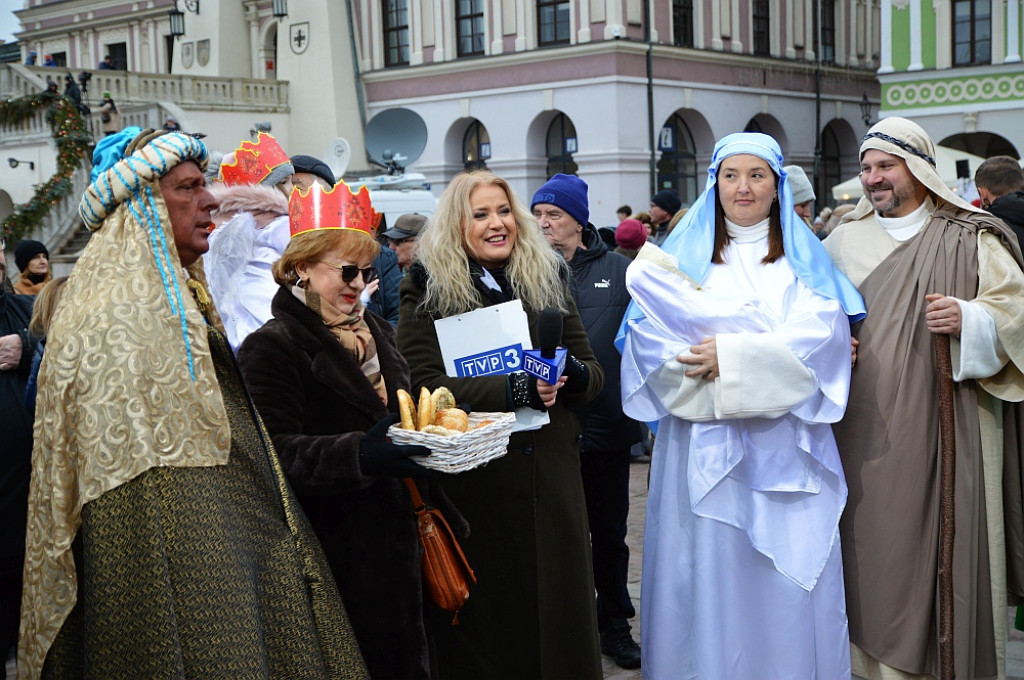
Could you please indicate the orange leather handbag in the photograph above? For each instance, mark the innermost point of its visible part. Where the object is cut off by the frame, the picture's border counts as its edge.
(446, 572)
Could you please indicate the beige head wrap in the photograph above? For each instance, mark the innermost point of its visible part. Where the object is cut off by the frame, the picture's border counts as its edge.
(906, 139)
(127, 383)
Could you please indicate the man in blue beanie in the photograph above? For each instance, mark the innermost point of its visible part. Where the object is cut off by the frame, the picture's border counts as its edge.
(599, 289)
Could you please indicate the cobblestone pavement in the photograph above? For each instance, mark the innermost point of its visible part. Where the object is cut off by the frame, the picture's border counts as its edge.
(635, 540)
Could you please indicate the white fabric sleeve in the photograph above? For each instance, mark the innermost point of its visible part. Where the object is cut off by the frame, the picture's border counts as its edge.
(683, 396)
(980, 354)
(760, 377)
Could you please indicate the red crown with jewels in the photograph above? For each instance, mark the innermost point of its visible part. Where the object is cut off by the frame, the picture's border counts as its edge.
(254, 161)
(336, 208)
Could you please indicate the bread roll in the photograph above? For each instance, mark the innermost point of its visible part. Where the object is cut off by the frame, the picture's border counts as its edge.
(443, 398)
(453, 419)
(437, 429)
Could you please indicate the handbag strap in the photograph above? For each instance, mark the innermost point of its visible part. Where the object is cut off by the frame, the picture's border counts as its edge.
(420, 508)
(414, 493)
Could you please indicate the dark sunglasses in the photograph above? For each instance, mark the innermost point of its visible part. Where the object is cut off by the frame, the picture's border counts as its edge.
(350, 271)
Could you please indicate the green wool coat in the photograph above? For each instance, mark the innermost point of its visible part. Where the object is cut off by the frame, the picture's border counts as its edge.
(532, 613)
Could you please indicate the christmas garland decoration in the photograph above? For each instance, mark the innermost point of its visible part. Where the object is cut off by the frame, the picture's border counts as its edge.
(73, 146)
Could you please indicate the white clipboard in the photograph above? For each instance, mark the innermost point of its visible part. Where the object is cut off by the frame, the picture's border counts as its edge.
(489, 341)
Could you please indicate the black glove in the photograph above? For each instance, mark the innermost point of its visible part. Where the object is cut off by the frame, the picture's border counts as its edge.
(577, 375)
(380, 458)
(464, 407)
(523, 388)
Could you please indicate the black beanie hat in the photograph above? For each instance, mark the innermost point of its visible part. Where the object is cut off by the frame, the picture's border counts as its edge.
(314, 166)
(667, 200)
(26, 250)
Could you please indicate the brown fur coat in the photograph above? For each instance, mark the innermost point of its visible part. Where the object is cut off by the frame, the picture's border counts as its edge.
(317, 404)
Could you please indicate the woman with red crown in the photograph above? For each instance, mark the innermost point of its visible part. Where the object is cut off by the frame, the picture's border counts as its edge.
(324, 374)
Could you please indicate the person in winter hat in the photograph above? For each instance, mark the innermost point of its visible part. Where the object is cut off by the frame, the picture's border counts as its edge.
(630, 236)
(598, 286)
(803, 192)
(664, 205)
(33, 260)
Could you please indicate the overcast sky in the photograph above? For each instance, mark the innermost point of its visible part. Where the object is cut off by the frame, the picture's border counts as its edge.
(8, 22)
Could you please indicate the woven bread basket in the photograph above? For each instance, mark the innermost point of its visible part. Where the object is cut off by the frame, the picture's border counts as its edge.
(463, 451)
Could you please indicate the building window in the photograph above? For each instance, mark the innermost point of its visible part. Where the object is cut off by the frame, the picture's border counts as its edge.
(469, 22)
(972, 32)
(118, 55)
(561, 145)
(396, 32)
(476, 147)
(677, 166)
(828, 32)
(553, 22)
(760, 20)
(59, 58)
(682, 23)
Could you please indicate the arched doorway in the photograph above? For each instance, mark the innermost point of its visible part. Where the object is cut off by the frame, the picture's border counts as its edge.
(677, 165)
(768, 125)
(267, 51)
(984, 144)
(476, 147)
(560, 145)
(840, 153)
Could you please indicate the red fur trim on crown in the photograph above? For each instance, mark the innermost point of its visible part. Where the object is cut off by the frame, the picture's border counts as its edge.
(337, 208)
(254, 161)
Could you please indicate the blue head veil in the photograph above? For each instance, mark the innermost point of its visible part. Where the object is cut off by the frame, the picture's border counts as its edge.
(692, 242)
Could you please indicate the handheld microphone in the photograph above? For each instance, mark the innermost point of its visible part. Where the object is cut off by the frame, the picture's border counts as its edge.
(548, 362)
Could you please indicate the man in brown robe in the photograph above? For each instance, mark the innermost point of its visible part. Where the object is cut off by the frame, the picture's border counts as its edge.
(927, 262)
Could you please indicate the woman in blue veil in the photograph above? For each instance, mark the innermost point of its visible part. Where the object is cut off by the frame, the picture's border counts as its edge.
(738, 345)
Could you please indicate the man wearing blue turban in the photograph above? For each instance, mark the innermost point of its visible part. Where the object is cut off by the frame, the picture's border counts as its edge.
(163, 539)
(738, 345)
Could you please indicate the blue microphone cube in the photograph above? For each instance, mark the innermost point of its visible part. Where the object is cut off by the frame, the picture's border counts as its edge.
(548, 370)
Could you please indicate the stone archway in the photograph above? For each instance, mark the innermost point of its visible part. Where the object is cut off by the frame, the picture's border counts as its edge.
(770, 126)
(840, 159)
(984, 144)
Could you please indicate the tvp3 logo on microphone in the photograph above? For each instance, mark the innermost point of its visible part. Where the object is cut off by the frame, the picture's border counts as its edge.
(548, 362)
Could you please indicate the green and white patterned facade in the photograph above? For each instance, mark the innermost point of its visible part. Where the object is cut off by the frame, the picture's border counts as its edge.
(919, 80)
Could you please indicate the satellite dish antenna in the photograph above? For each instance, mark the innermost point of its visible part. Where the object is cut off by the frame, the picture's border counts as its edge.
(395, 138)
(337, 156)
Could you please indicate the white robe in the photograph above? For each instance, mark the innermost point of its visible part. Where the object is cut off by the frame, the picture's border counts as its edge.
(240, 271)
(742, 572)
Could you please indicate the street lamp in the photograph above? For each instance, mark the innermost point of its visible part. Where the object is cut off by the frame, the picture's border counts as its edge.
(14, 162)
(865, 110)
(280, 8)
(177, 17)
